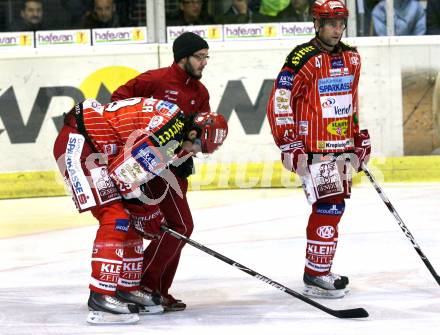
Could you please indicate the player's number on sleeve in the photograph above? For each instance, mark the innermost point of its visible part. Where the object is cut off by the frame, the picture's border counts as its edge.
(114, 106)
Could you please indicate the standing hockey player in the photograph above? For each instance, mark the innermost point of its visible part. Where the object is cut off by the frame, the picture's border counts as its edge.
(179, 84)
(313, 114)
(140, 138)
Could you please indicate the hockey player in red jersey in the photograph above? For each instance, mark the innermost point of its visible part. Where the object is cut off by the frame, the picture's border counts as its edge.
(313, 114)
(106, 154)
(179, 84)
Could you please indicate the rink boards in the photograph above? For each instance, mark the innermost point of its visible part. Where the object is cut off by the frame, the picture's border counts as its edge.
(39, 85)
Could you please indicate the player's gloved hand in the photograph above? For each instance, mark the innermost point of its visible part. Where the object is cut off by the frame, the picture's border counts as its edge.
(362, 149)
(294, 157)
(145, 219)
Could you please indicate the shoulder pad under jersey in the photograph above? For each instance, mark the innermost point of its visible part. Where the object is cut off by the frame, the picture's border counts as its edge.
(300, 55)
(346, 47)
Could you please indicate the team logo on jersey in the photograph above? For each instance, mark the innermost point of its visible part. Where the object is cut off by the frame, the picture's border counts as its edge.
(155, 122)
(354, 60)
(335, 85)
(284, 80)
(338, 128)
(336, 63)
(325, 232)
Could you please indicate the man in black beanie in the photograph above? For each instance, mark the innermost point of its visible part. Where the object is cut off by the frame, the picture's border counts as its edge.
(186, 45)
(179, 84)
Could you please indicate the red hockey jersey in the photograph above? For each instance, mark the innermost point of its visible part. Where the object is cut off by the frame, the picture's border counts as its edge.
(315, 99)
(118, 123)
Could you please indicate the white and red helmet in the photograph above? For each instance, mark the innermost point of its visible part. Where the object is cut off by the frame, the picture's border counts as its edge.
(212, 131)
(329, 9)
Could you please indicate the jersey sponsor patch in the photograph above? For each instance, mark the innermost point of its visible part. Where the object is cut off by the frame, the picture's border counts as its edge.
(290, 146)
(329, 209)
(285, 80)
(303, 127)
(110, 149)
(335, 85)
(326, 179)
(167, 108)
(339, 72)
(121, 225)
(299, 54)
(336, 106)
(336, 63)
(284, 120)
(338, 145)
(82, 192)
(147, 158)
(338, 128)
(104, 186)
(282, 100)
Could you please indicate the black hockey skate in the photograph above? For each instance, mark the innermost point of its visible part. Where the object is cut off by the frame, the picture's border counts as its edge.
(331, 286)
(171, 304)
(148, 303)
(106, 309)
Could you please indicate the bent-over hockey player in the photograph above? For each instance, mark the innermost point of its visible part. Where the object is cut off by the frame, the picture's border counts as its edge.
(313, 114)
(179, 83)
(106, 154)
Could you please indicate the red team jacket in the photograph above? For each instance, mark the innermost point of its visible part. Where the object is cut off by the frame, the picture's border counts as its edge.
(172, 84)
(315, 99)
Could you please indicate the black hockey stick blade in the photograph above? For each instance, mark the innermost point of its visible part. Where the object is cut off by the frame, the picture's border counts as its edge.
(355, 313)
(342, 314)
(400, 222)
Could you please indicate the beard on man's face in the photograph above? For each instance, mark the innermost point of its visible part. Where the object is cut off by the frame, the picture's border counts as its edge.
(191, 71)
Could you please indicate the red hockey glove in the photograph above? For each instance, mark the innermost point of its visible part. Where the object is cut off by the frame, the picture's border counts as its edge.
(294, 157)
(146, 219)
(362, 149)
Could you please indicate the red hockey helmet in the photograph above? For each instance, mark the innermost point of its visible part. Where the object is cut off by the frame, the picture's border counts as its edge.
(329, 9)
(213, 130)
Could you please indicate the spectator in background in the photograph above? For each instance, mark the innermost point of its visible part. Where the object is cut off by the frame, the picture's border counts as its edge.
(271, 8)
(240, 12)
(190, 13)
(31, 16)
(77, 9)
(297, 11)
(103, 15)
(409, 18)
(433, 17)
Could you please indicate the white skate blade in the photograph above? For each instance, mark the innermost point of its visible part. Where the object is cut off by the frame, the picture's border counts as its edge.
(103, 318)
(148, 310)
(317, 292)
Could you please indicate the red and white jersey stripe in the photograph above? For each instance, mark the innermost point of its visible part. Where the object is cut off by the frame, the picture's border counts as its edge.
(315, 99)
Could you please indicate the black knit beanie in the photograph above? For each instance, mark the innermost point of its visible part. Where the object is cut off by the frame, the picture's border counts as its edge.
(186, 44)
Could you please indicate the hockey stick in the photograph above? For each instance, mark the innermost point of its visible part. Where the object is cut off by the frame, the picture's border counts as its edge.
(400, 222)
(342, 314)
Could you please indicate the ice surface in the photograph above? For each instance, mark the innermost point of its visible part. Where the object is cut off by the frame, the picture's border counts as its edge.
(44, 277)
